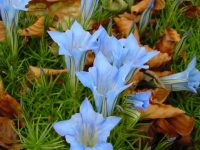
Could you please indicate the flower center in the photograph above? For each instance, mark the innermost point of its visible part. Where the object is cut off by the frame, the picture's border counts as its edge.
(88, 136)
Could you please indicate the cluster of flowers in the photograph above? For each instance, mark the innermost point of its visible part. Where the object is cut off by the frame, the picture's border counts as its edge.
(115, 63)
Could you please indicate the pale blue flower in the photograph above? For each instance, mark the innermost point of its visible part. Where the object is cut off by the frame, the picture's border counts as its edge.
(125, 54)
(87, 130)
(139, 100)
(74, 44)
(188, 80)
(87, 9)
(106, 83)
(10, 9)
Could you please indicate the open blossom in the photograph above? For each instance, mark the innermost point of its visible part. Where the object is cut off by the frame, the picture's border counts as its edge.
(106, 83)
(74, 44)
(188, 80)
(139, 100)
(87, 9)
(10, 8)
(123, 53)
(87, 130)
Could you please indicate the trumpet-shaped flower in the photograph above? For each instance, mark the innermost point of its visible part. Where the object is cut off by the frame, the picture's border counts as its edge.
(188, 80)
(124, 53)
(10, 9)
(74, 44)
(139, 100)
(87, 130)
(106, 83)
(87, 9)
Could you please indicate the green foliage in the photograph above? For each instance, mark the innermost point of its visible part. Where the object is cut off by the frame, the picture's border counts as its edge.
(47, 101)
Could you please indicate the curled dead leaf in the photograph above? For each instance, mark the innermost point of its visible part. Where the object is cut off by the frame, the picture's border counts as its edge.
(156, 111)
(159, 60)
(137, 77)
(192, 11)
(37, 29)
(142, 5)
(159, 95)
(8, 137)
(168, 41)
(90, 58)
(9, 107)
(36, 73)
(163, 73)
(2, 31)
(178, 125)
(124, 24)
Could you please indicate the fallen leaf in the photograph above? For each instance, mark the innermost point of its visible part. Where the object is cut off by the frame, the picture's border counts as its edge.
(1, 86)
(8, 137)
(114, 5)
(37, 29)
(36, 73)
(63, 11)
(142, 5)
(159, 5)
(192, 11)
(159, 60)
(168, 41)
(157, 111)
(2, 31)
(178, 125)
(124, 23)
(59, 10)
(162, 73)
(159, 95)
(9, 107)
(137, 77)
(89, 58)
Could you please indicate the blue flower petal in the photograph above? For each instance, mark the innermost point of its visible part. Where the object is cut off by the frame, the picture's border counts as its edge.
(86, 110)
(103, 146)
(111, 97)
(106, 126)
(66, 127)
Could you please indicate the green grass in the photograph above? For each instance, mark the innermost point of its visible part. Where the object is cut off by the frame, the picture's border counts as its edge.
(49, 101)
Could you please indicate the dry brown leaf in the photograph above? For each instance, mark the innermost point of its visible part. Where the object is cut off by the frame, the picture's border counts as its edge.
(8, 137)
(159, 5)
(35, 72)
(159, 60)
(37, 29)
(168, 41)
(124, 23)
(62, 11)
(163, 73)
(192, 12)
(157, 111)
(9, 107)
(137, 77)
(1, 86)
(178, 125)
(90, 58)
(159, 95)
(142, 5)
(2, 31)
